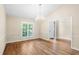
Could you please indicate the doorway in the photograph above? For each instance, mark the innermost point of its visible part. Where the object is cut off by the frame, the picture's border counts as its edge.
(52, 29)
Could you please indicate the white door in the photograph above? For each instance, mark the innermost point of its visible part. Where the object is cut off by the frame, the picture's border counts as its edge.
(52, 29)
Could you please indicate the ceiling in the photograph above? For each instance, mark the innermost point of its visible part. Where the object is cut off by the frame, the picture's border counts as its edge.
(30, 10)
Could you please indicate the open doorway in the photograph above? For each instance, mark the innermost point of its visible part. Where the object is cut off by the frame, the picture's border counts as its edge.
(52, 30)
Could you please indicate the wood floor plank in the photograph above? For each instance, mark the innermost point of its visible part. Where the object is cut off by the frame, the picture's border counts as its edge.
(40, 47)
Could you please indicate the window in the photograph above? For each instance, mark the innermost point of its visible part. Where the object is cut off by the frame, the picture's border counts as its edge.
(27, 30)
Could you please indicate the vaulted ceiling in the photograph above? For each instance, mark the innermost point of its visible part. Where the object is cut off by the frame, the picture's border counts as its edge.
(30, 10)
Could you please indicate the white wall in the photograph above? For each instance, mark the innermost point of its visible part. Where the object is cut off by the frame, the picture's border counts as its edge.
(70, 10)
(37, 29)
(44, 29)
(14, 29)
(65, 28)
(2, 29)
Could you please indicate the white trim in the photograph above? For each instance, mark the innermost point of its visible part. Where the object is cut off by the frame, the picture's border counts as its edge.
(21, 40)
(75, 48)
(4, 48)
(64, 38)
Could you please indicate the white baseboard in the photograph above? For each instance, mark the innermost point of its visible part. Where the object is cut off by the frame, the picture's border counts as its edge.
(25, 40)
(75, 48)
(65, 38)
(20, 40)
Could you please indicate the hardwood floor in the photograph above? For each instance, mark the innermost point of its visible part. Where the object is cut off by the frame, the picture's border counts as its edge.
(40, 47)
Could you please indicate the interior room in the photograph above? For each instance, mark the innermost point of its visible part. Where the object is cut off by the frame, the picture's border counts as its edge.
(39, 29)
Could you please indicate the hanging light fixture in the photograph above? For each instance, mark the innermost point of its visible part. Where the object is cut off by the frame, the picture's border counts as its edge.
(39, 14)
